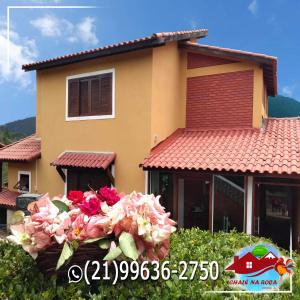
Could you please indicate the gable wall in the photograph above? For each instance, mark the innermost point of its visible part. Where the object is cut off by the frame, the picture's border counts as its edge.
(223, 93)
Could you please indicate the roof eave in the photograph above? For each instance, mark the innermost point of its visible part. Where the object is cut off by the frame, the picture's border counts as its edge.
(97, 54)
(156, 40)
(267, 62)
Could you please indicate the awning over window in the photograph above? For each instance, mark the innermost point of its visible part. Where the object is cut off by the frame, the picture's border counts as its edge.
(24, 150)
(8, 198)
(96, 160)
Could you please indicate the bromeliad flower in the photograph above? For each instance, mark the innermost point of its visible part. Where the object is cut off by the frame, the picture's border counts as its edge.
(108, 195)
(76, 197)
(91, 205)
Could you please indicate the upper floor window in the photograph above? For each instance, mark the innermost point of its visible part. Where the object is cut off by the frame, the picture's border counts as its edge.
(90, 96)
(24, 182)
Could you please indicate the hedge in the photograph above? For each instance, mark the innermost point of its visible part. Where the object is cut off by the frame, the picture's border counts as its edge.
(20, 278)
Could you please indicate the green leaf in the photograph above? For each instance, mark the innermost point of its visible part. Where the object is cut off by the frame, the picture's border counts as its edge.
(66, 253)
(62, 206)
(93, 240)
(74, 245)
(128, 246)
(104, 244)
(113, 254)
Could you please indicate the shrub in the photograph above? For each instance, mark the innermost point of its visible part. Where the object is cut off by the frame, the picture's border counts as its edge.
(194, 244)
(20, 279)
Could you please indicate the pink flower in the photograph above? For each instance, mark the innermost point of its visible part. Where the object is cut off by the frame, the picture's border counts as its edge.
(78, 228)
(76, 197)
(99, 226)
(90, 206)
(109, 195)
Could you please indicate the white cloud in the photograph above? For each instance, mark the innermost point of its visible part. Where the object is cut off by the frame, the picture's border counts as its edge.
(85, 31)
(48, 25)
(253, 7)
(288, 90)
(51, 26)
(22, 50)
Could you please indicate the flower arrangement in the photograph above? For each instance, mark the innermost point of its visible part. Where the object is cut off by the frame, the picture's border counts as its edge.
(133, 226)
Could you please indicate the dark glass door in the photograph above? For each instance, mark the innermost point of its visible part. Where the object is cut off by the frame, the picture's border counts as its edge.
(196, 203)
(229, 199)
(275, 215)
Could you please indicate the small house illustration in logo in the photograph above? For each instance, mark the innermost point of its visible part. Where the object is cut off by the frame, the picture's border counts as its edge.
(250, 263)
(259, 268)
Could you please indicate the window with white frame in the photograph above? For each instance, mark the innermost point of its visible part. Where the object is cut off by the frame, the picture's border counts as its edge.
(249, 265)
(24, 182)
(90, 95)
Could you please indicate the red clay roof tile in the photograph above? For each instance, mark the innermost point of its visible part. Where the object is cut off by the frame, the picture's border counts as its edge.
(273, 149)
(84, 160)
(8, 198)
(26, 149)
(157, 39)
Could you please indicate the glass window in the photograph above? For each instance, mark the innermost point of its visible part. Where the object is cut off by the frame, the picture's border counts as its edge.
(24, 182)
(229, 198)
(90, 96)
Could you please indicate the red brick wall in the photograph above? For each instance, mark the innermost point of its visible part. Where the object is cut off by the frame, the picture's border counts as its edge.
(220, 100)
(195, 60)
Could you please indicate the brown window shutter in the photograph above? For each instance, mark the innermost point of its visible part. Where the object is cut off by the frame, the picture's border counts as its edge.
(84, 98)
(106, 94)
(95, 96)
(73, 98)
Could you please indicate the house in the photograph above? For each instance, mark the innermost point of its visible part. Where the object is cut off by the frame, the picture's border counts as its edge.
(248, 263)
(171, 116)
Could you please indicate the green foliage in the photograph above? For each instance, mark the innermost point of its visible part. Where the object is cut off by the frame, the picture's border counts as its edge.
(281, 107)
(23, 127)
(20, 279)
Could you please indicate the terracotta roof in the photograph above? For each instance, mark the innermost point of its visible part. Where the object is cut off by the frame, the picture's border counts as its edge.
(156, 39)
(274, 149)
(269, 63)
(8, 198)
(84, 160)
(26, 149)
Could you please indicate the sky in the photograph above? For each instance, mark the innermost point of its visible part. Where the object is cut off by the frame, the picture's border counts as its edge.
(265, 26)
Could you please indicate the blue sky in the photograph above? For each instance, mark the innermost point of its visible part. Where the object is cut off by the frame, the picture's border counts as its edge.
(266, 26)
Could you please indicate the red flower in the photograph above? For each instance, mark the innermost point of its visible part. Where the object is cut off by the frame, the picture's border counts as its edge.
(75, 196)
(109, 195)
(90, 206)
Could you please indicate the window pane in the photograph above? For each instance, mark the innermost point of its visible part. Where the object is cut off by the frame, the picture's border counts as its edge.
(24, 183)
(229, 197)
(90, 96)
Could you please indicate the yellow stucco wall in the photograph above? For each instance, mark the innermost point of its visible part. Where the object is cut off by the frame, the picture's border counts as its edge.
(128, 134)
(14, 168)
(168, 101)
(150, 104)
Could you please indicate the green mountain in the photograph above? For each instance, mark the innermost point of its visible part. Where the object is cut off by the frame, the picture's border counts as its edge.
(16, 130)
(281, 107)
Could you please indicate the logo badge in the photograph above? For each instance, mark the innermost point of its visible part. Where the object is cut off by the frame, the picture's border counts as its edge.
(260, 268)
